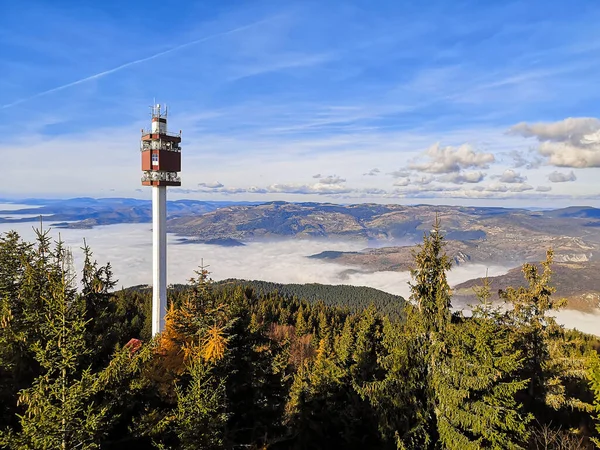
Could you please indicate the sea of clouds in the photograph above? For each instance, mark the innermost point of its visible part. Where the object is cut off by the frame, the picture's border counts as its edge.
(128, 247)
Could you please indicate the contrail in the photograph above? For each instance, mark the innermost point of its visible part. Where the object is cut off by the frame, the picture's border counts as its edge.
(132, 63)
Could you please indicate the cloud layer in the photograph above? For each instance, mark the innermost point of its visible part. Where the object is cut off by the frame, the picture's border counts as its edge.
(128, 247)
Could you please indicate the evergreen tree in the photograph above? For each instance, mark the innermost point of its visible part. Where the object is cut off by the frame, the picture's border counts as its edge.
(238, 367)
(403, 397)
(476, 383)
(302, 326)
(97, 284)
(594, 375)
(427, 321)
(199, 419)
(344, 344)
(324, 411)
(366, 347)
(17, 366)
(430, 292)
(60, 408)
(546, 365)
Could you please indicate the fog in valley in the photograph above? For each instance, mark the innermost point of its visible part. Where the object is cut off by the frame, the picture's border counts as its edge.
(128, 247)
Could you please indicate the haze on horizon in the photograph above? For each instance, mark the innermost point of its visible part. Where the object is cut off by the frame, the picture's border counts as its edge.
(336, 101)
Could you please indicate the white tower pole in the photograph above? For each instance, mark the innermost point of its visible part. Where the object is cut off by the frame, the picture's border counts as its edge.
(159, 260)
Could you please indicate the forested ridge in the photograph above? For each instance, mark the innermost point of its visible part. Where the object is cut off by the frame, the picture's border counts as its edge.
(239, 366)
(353, 298)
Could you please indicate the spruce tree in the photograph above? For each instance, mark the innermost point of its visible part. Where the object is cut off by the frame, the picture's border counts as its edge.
(366, 346)
(198, 421)
(546, 364)
(427, 321)
(65, 406)
(302, 326)
(97, 284)
(430, 291)
(17, 366)
(477, 381)
(594, 375)
(403, 395)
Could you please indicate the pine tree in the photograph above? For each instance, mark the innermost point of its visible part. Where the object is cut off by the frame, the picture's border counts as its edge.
(427, 321)
(302, 326)
(366, 346)
(199, 419)
(546, 364)
(344, 344)
(476, 383)
(324, 411)
(97, 283)
(402, 394)
(594, 376)
(64, 407)
(430, 292)
(17, 366)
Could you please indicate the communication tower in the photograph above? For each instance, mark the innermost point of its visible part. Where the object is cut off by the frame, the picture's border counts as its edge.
(161, 162)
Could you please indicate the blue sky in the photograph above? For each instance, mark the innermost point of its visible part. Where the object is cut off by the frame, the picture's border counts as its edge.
(456, 102)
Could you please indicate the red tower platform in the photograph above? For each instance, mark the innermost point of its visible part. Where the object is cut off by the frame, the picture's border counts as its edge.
(161, 152)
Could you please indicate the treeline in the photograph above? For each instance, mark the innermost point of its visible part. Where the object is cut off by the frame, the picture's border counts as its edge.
(239, 367)
(354, 298)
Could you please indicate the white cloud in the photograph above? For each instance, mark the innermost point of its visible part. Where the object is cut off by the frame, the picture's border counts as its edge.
(496, 187)
(571, 130)
(402, 182)
(572, 142)
(562, 154)
(559, 177)
(211, 185)
(543, 188)
(318, 175)
(520, 187)
(400, 174)
(332, 179)
(461, 178)
(452, 159)
(317, 188)
(372, 172)
(423, 181)
(528, 162)
(510, 176)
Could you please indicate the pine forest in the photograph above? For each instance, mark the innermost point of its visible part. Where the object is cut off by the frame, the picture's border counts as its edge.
(241, 366)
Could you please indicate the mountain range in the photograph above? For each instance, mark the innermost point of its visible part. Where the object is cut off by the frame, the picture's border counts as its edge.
(483, 235)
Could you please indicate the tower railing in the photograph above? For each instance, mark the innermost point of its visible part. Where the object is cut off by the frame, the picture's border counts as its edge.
(161, 133)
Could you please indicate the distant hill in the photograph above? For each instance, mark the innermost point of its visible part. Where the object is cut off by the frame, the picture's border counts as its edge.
(86, 212)
(395, 225)
(577, 282)
(481, 235)
(351, 297)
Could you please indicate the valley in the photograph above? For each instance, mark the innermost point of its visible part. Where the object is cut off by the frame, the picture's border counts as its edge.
(381, 238)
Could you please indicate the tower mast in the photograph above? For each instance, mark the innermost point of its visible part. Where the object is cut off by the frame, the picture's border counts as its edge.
(161, 162)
